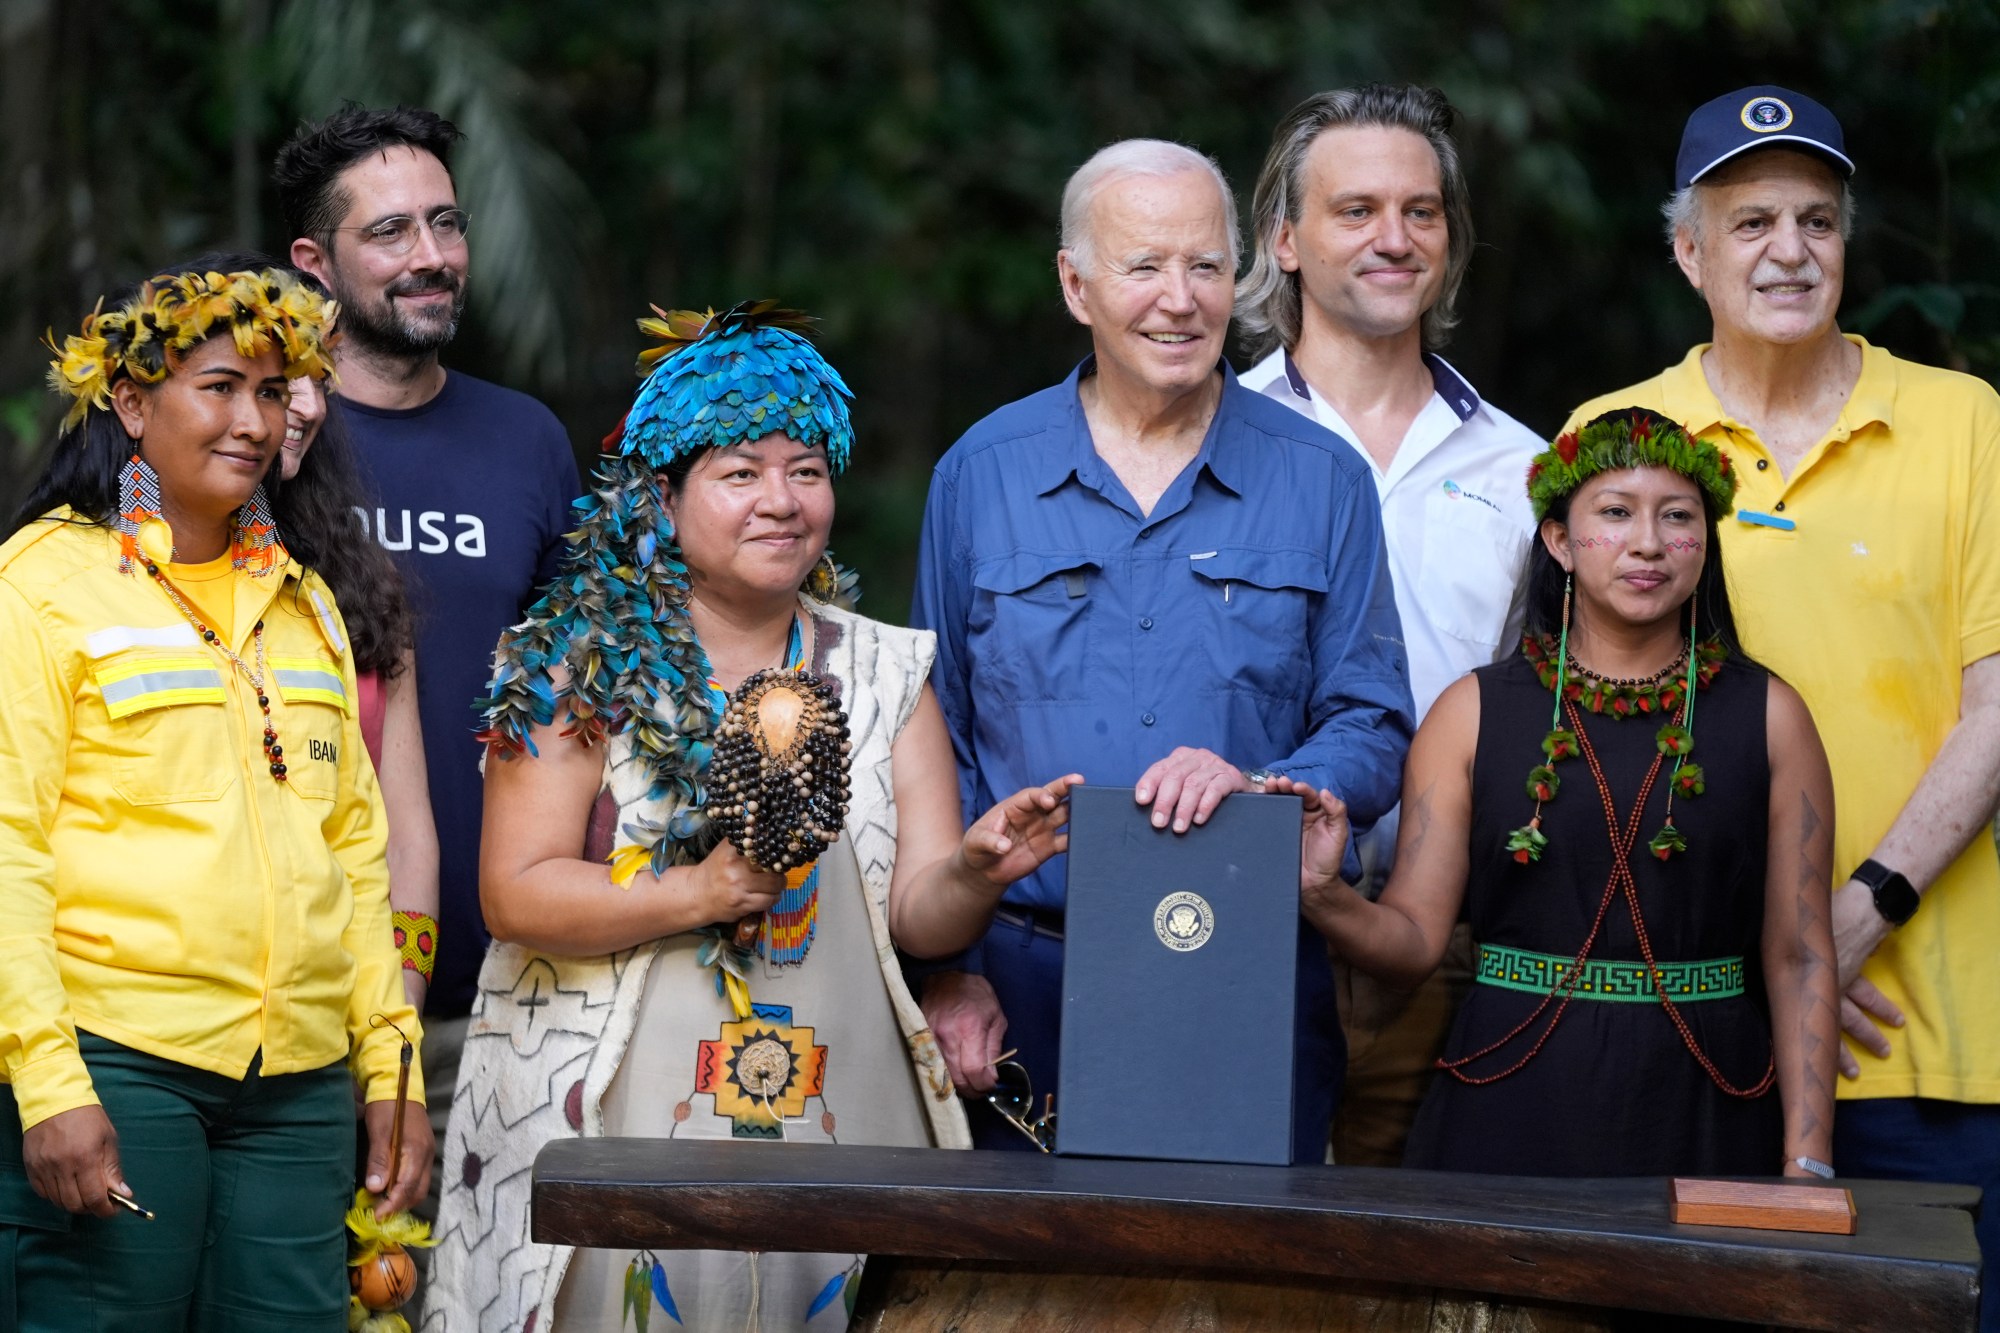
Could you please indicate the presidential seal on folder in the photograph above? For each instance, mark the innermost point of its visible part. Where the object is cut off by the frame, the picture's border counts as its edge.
(1180, 981)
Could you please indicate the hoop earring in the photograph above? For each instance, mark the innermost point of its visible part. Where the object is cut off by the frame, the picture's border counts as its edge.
(254, 543)
(138, 503)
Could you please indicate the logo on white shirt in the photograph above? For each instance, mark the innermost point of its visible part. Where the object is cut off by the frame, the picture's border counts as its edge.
(1458, 492)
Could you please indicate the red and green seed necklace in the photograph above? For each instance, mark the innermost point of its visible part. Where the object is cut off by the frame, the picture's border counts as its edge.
(1669, 694)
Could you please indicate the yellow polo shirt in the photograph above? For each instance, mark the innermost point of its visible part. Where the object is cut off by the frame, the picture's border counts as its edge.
(1870, 606)
(158, 887)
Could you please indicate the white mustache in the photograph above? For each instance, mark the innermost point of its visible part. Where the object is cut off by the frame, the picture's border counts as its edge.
(1769, 274)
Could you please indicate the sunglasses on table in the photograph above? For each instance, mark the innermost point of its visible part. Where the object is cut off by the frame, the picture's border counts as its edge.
(1014, 1099)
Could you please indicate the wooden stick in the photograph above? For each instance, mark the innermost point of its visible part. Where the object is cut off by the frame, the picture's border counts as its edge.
(396, 1126)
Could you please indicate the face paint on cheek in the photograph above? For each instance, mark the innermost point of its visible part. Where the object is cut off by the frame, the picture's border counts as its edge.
(1585, 543)
(1685, 544)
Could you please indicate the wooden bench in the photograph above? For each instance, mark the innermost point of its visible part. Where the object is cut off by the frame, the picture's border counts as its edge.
(989, 1241)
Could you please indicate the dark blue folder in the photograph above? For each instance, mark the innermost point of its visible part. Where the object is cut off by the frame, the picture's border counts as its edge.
(1180, 982)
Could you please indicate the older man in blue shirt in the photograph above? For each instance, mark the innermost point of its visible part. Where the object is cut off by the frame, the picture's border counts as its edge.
(1151, 575)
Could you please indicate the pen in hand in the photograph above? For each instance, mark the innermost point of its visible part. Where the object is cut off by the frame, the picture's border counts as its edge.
(128, 1204)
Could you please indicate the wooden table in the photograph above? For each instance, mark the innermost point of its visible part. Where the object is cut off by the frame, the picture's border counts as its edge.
(989, 1241)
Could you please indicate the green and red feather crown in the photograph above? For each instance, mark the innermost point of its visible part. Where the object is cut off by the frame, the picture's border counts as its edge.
(1629, 437)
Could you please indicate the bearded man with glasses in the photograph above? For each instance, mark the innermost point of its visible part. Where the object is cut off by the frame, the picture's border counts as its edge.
(472, 481)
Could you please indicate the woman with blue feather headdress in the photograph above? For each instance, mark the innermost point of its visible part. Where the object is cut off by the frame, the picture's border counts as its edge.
(619, 995)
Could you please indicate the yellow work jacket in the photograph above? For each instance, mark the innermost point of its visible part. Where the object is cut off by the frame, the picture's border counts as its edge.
(158, 887)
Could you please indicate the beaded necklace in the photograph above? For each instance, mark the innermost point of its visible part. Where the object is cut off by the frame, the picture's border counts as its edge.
(1584, 675)
(274, 753)
(1670, 691)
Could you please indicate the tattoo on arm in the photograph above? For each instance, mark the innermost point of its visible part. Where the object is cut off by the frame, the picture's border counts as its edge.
(1418, 814)
(1812, 884)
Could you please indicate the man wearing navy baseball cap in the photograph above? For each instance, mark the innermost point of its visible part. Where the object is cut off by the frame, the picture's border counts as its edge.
(1864, 562)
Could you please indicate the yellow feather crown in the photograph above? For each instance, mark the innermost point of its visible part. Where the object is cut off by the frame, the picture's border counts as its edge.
(173, 313)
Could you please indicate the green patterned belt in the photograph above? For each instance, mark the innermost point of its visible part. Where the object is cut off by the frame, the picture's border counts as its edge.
(1540, 973)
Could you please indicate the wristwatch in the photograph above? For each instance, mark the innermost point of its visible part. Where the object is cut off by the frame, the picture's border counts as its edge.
(1257, 777)
(1894, 898)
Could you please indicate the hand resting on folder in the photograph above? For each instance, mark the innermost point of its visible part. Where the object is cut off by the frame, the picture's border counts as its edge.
(1322, 843)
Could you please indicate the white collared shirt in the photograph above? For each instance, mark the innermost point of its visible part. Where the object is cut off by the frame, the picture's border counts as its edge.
(1455, 515)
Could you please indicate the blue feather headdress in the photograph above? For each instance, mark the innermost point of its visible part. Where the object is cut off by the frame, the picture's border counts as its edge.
(610, 644)
(718, 380)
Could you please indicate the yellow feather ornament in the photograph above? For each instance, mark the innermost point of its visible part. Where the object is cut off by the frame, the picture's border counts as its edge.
(172, 314)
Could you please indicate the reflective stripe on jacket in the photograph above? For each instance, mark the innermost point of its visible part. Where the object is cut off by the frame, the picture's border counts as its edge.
(158, 886)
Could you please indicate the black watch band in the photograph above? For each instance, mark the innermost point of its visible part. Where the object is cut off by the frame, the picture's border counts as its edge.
(1895, 899)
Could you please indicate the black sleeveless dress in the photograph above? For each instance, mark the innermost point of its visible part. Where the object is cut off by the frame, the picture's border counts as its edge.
(1614, 1090)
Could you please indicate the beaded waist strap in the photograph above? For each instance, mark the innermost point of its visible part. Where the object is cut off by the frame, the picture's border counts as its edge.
(1540, 973)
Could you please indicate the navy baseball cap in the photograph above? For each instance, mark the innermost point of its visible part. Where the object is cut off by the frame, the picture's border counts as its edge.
(1751, 118)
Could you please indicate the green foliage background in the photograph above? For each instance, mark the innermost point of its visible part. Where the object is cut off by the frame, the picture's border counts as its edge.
(894, 166)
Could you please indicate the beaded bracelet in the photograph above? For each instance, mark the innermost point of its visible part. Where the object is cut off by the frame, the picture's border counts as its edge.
(416, 941)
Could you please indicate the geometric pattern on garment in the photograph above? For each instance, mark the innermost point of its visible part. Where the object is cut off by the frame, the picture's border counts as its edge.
(486, 1273)
(1610, 979)
(760, 1070)
(540, 1008)
(549, 1008)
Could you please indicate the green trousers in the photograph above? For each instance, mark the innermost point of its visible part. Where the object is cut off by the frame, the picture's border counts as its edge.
(249, 1181)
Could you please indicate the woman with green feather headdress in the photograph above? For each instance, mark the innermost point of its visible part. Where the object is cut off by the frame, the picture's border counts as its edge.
(648, 974)
(1637, 822)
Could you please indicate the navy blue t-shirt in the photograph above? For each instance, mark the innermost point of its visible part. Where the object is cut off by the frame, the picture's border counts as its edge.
(473, 494)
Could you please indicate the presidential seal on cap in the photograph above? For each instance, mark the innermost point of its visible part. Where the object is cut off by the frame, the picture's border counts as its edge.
(1751, 118)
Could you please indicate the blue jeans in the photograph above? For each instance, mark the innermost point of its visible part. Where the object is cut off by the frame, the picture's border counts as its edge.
(1917, 1138)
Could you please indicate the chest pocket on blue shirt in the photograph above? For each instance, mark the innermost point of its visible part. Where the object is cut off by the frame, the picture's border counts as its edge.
(1029, 628)
(1256, 608)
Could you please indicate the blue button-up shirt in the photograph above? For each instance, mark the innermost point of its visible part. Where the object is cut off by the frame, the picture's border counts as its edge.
(1249, 614)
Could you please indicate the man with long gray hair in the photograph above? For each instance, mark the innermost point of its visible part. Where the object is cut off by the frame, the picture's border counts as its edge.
(1151, 577)
(1363, 235)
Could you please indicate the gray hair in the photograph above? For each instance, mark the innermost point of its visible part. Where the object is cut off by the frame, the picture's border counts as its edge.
(1268, 299)
(1133, 157)
(1682, 211)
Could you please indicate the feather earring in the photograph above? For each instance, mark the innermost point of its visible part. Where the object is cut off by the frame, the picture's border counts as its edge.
(254, 543)
(138, 503)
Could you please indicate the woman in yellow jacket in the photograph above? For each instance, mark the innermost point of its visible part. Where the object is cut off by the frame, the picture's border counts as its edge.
(195, 943)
